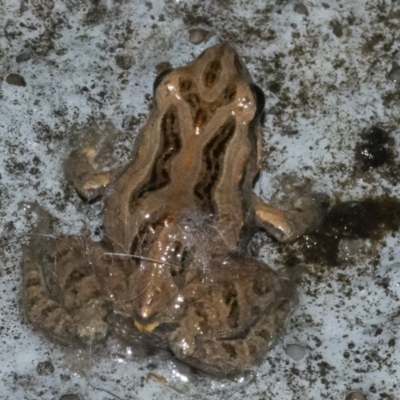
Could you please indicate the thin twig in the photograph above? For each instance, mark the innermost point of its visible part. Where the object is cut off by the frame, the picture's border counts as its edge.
(141, 258)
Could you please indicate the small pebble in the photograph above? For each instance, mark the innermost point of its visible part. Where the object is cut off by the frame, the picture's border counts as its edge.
(300, 8)
(198, 35)
(16, 79)
(355, 396)
(22, 57)
(295, 351)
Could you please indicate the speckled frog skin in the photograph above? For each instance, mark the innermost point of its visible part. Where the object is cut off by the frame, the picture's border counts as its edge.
(171, 270)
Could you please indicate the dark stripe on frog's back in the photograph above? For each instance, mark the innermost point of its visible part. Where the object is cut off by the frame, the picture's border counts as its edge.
(212, 157)
(212, 73)
(212, 161)
(160, 174)
(171, 144)
(211, 150)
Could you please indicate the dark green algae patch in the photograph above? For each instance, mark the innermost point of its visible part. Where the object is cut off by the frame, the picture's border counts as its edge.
(367, 219)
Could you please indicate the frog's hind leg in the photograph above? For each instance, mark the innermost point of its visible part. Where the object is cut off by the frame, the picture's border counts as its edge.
(231, 324)
(61, 294)
(228, 358)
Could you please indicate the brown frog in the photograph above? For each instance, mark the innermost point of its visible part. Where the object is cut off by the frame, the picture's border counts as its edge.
(170, 271)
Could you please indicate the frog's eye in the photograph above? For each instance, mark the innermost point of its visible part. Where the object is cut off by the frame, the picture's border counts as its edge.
(159, 78)
(259, 97)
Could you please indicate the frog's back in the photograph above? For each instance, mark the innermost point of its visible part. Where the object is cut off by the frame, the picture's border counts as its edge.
(199, 150)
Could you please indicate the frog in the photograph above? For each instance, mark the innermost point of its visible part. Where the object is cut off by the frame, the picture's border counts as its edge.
(171, 271)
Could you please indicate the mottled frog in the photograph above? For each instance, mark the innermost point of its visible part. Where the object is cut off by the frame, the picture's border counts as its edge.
(171, 270)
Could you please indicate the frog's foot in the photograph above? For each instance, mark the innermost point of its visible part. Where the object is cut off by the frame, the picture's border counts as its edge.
(86, 166)
(61, 295)
(288, 225)
(227, 358)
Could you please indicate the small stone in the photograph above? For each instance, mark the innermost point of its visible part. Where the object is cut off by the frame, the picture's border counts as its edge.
(295, 351)
(300, 8)
(356, 396)
(23, 57)
(16, 79)
(198, 35)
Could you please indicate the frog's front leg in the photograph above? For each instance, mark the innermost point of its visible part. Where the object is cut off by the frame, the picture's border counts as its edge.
(287, 225)
(62, 296)
(85, 166)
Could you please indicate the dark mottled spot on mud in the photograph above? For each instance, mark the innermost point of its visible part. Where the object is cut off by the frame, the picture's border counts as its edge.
(371, 42)
(300, 8)
(274, 87)
(44, 368)
(394, 74)
(23, 57)
(337, 28)
(124, 61)
(70, 397)
(373, 152)
(96, 13)
(367, 219)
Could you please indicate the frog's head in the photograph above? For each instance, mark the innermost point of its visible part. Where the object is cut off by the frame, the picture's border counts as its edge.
(214, 87)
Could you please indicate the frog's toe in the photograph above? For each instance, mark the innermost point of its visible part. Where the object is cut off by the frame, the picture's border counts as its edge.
(87, 167)
(81, 171)
(305, 217)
